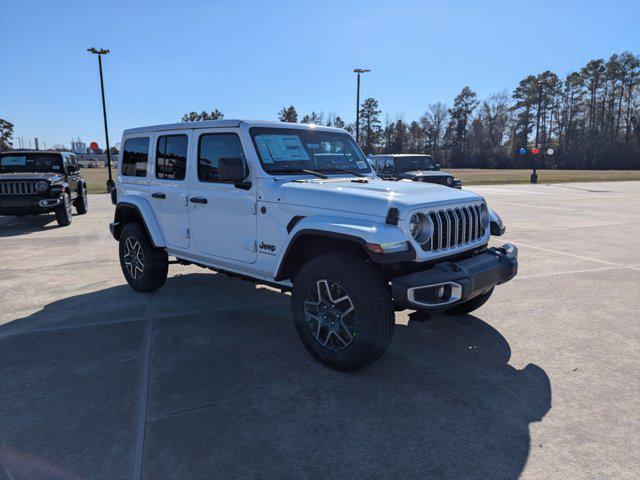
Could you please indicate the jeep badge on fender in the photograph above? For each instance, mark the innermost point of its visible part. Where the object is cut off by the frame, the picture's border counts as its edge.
(352, 248)
(268, 247)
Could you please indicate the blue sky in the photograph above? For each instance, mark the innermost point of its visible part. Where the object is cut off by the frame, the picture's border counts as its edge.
(249, 59)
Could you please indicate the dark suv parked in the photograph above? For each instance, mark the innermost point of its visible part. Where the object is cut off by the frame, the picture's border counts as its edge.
(420, 168)
(34, 182)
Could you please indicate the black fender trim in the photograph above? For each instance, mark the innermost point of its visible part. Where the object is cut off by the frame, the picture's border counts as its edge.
(117, 225)
(382, 258)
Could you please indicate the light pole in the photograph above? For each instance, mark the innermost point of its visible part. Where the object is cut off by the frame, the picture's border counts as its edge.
(358, 71)
(110, 184)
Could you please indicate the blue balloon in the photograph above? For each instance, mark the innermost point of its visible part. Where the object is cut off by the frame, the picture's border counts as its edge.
(523, 151)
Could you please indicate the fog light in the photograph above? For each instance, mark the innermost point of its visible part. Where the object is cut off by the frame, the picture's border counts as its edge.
(441, 291)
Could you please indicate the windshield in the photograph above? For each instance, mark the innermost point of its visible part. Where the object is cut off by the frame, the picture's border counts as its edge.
(286, 150)
(407, 164)
(30, 162)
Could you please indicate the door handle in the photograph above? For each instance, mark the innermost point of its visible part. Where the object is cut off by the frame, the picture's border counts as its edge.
(159, 195)
(198, 200)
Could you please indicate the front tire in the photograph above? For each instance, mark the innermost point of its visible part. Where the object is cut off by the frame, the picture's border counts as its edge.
(342, 310)
(470, 305)
(144, 267)
(63, 212)
(82, 202)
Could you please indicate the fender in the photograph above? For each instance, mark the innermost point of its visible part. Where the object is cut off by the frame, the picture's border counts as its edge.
(142, 206)
(496, 226)
(359, 231)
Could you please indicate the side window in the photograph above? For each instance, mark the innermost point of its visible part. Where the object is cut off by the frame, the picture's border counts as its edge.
(214, 147)
(388, 165)
(134, 157)
(171, 157)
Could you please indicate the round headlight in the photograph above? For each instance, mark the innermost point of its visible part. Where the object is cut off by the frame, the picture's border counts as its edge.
(449, 181)
(484, 216)
(42, 186)
(421, 227)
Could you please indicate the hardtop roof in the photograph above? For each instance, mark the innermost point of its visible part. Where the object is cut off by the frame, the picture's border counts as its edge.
(227, 124)
(26, 150)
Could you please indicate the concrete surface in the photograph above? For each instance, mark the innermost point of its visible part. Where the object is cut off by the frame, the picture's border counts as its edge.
(206, 378)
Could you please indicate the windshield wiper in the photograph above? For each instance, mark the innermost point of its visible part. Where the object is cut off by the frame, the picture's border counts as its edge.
(345, 170)
(299, 170)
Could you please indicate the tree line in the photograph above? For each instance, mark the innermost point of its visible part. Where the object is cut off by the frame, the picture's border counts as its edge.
(590, 119)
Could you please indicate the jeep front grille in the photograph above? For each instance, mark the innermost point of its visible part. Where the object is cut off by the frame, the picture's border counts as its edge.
(18, 187)
(440, 179)
(455, 227)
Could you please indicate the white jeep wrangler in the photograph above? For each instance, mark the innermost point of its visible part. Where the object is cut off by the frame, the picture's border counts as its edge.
(298, 207)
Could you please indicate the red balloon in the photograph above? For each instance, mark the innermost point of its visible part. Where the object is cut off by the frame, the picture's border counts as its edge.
(93, 146)
(534, 150)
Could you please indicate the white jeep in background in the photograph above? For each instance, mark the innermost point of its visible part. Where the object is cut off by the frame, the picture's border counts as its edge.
(299, 207)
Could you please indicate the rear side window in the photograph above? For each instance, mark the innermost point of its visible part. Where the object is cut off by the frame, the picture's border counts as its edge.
(171, 157)
(135, 156)
(212, 147)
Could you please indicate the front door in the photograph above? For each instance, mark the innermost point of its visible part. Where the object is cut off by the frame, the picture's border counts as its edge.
(169, 187)
(222, 216)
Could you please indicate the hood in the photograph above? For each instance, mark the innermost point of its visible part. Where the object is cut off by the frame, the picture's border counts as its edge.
(53, 177)
(374, 197)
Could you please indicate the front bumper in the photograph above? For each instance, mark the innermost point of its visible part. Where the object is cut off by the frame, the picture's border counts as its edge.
(448, 283)
(16, 205)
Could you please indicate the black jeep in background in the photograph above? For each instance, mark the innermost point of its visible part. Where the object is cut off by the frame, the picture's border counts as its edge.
(419, 168)
(34, 182)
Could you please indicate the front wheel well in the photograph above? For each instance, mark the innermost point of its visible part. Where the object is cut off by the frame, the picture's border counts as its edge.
(306, 246)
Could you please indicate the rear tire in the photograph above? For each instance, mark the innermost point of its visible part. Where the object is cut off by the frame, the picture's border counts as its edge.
(82, 202)
(470, 305)
(63, 212)
(144, 267)
(342, 310)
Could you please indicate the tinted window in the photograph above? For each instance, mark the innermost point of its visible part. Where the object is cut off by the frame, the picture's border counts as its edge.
(30, 162)
(135, 156)
(407, 164)
(171, 157)
(212, 148)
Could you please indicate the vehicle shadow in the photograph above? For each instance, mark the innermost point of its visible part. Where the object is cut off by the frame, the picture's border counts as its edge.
(15, 226)
(232, 393)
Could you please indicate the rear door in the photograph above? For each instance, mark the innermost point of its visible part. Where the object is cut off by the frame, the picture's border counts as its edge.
(168, 186)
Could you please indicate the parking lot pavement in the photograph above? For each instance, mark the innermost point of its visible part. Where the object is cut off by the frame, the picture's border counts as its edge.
(206, 377)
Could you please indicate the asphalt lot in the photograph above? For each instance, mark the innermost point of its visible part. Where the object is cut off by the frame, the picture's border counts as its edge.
(206, 378)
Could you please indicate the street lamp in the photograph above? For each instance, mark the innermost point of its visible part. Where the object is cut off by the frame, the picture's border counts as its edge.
(358, 71)
(110, 184)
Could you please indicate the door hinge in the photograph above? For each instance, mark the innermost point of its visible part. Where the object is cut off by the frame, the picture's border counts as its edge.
(254, 208)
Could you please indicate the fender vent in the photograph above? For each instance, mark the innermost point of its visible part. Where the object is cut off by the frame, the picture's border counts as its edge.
(293, 222)
(392, 216)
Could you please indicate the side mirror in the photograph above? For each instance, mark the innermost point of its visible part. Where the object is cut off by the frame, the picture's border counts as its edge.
(233, 170)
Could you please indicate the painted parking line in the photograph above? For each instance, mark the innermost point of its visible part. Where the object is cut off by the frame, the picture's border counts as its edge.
(510, 191)
(144, 388)
(506, 202)
(568, 254)
(569, 272)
